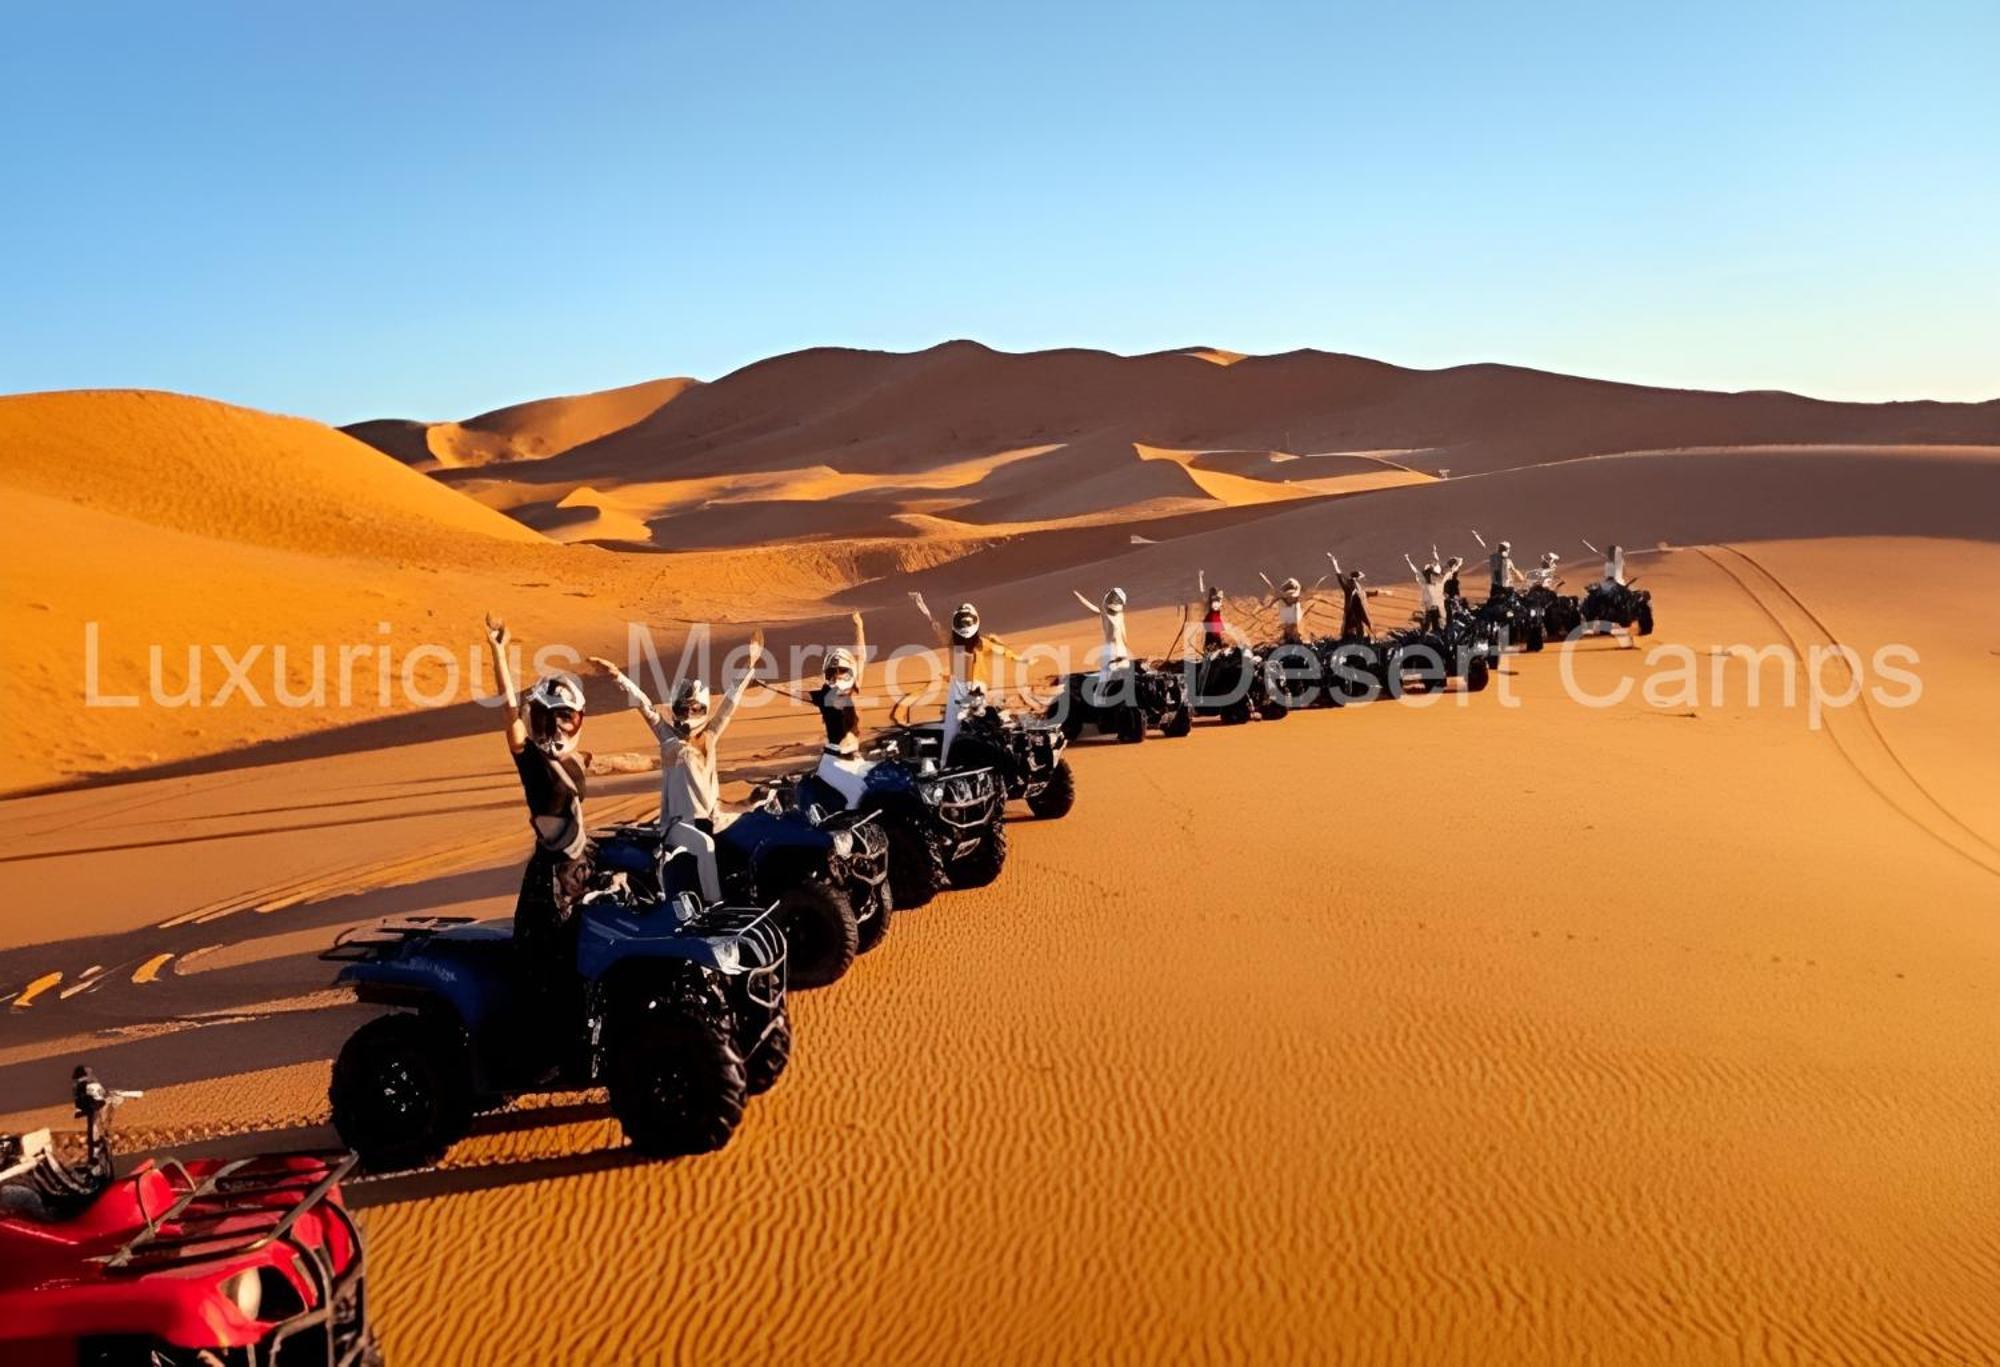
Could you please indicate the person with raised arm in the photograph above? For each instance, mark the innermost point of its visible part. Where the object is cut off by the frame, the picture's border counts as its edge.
(1294, 604)
(542, 731)
(690, 733)
(841, 766)
(1355, 623)
(975, 663)
(1430, 591)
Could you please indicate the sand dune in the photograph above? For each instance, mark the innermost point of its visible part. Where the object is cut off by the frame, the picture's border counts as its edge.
(1048, 432)
(1553, 1049)
(526, 431)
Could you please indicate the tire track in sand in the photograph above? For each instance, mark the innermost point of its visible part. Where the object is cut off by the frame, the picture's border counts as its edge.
(1854, 729)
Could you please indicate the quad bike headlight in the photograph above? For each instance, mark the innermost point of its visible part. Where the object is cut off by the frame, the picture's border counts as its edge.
(728, 955)
(843, 843)
(245, 1291)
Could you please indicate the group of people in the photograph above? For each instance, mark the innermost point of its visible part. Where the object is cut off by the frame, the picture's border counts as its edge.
(544, 725)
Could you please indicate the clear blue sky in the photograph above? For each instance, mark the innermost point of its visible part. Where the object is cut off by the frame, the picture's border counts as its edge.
(427, 210)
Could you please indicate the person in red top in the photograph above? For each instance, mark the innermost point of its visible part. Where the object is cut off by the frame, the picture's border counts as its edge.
(1216, 633)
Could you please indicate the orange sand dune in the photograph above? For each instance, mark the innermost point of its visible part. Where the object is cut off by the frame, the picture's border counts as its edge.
(1564, 1044)
(525, 431)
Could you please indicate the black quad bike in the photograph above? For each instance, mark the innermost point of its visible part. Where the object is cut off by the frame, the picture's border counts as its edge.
(1618, 605)
(947, 828)
(1127, 704)
(1561, 613)
(1235, 683)
(828, 873)
(1025, 754)
(1514, 619)
(1413, 658)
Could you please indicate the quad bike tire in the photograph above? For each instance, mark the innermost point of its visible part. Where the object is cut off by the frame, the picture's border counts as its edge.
(821, 936)
(1645, 622)
(1058, 795)
(676, 1081)
(872, 931)
(983, 865)
(1477, 674)
(402, 1090)
(766, 1064)
(916, 875)
(1273, 708)
(1131, 726)
(1536, 639)
(1235, 714)
(1178, 722)
(1072, 721)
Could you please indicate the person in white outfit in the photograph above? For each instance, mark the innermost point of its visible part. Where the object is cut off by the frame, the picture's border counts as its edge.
(690, 732)
(1114, 657)
(1430, 588)
(1293, 603)
(841, 766)
(1543, 576)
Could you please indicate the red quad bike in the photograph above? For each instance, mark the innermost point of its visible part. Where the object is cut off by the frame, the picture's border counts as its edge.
(250, 1262)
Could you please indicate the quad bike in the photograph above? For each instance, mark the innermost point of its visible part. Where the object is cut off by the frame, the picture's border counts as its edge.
(1514, 618)
(1235, 683)
(1126, 704)
(947, 828)
(1618, 605)
(178, 1263)
(1025, 755)
(1561, 613)
(1413, 657)
(678, 1009)
(826, 871)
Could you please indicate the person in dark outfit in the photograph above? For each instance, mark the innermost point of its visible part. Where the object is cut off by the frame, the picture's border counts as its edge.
(542, 732)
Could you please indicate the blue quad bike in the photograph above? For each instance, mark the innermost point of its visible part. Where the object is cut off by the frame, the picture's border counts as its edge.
(679, 1012)
(1025, 755)
(827, 871)
(947, 827)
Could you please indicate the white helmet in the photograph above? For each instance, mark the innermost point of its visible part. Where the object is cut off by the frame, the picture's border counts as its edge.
(840, 668)
(965, 621)
(1551, 559)
(554, 708)
(690, 706)
(1506, 546)
(1114, 601)
(1290, 588)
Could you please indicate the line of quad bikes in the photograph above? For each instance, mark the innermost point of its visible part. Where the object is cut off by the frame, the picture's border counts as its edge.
(681, 1016)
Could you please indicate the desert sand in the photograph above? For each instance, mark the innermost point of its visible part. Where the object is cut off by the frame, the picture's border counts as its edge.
(1487, 1029)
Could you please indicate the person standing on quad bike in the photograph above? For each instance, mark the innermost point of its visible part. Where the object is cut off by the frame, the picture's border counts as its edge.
(841, 766)
(1430, 589)
(1502, 573)
(1614, 566)
(1293, 603)
(1355, 624)
(691, 809)
(1543, 576)
(975, 661)
(1216, 633)
(1111, 616)
(542, 732)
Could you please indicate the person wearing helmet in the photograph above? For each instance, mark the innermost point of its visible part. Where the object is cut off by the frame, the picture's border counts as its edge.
(543, 728)
(1543, 576)
(1116, 654)
(1430, 588)
(690, 732)
(1294, 603)
(1502, 573)
(976, 658)
(841, 766)
(1216, 633)
(1355, 624)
